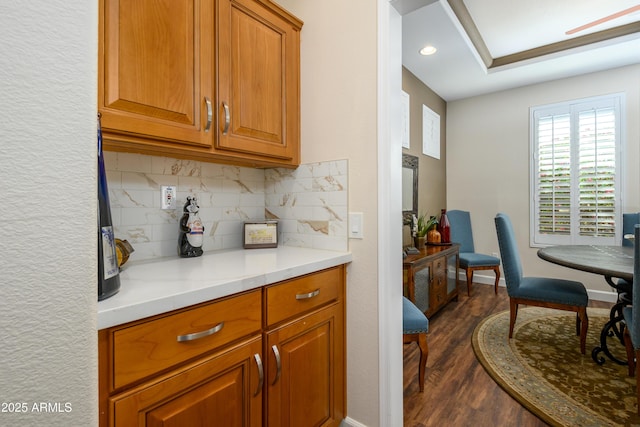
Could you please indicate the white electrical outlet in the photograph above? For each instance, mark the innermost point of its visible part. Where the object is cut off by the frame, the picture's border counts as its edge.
(168, 197)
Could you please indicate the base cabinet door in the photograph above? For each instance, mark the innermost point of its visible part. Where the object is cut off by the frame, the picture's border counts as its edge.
(221, 390)
(305, 371)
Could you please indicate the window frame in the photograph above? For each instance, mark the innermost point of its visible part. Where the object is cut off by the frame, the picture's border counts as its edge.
(573, 108)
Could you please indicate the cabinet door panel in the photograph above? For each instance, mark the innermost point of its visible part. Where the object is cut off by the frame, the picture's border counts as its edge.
(196, 407)
(258, 89)
(155, 70)
(309, 389)
(222, 390)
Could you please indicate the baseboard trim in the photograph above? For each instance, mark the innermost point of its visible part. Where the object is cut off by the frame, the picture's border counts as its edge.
(350, 422)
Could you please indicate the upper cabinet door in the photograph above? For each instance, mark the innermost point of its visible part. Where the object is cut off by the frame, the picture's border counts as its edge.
(258, 65)
(155, 69)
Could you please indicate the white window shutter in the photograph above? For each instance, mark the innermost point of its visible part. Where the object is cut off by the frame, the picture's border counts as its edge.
(575, 172)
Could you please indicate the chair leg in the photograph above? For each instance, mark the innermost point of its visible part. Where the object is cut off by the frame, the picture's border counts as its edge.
(583, 321)
(630, 353)
(497, 271)
(424, 354)
(469, 281)
(513, 313)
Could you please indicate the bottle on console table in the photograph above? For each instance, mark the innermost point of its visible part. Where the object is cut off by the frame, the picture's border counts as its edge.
(444, 227)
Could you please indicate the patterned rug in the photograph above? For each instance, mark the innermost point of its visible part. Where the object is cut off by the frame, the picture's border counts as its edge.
(542, 368)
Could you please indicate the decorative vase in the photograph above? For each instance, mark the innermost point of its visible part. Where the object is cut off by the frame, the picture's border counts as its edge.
(433, 236)
(444, 227)
(419, 241)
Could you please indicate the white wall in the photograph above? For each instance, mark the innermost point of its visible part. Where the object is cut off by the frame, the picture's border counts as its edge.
(48, 218)
(339, 120)
(488, 159)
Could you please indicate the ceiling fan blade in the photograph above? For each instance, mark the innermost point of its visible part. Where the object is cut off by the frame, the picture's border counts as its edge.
(605, 19)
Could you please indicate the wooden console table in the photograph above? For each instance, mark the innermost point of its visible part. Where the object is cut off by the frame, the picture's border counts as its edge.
(430, 278)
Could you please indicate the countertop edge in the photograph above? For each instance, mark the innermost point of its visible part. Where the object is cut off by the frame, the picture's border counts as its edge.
(287, 264)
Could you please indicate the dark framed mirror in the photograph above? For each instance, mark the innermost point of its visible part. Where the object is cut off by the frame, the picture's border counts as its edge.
(409, 187)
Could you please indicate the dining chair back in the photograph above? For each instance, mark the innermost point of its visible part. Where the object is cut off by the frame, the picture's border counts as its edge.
(629, 221)
(553, 293)
(470, 261)
(622, 286)
(632, 319)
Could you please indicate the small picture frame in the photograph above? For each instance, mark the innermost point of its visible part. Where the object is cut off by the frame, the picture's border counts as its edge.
(260, 234)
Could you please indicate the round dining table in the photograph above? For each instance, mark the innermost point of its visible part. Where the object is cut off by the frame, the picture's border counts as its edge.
(612, 262)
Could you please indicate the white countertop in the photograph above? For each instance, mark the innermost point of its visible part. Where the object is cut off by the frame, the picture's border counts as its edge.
(161, 285)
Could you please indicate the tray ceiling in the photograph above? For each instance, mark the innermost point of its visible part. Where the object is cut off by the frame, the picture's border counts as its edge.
(490, 45)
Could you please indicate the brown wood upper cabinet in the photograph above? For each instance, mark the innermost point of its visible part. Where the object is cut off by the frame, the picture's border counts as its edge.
(210, 80)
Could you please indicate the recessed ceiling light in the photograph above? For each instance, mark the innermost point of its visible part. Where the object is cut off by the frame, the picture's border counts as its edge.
(428, 50)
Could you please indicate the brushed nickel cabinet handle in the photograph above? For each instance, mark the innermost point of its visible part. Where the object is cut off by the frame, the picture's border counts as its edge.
(207, 126)
(227, 118)
(276, 353)
(260, 374)
(202, 334)
(309, 295)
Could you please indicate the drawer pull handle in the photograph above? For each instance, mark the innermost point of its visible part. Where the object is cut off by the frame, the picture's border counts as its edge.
(227, 118)
(276, 353)
(309, 295)
(260, 374)
(202, 334)
(209, 114)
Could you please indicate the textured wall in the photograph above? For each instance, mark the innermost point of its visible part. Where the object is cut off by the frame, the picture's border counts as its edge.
(309, 202)
(48, 213)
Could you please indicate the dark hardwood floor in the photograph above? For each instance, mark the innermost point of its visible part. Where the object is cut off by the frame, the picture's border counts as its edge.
(457, 390)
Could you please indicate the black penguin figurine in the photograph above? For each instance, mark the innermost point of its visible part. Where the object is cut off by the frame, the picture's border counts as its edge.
(191, 230)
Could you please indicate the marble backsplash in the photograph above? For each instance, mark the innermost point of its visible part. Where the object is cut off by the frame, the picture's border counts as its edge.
(310, 202)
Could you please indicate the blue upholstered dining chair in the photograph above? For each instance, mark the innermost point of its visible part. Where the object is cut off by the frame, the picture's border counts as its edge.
(629, 221)
(470, 261)
(415, 326)
(538, 291)
(632, 318)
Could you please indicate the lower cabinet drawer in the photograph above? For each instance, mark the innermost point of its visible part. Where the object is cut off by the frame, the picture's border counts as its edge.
(297, 296)
(146, 348)
(223, 389)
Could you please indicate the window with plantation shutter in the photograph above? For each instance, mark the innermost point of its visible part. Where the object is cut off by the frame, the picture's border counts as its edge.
(575, 172)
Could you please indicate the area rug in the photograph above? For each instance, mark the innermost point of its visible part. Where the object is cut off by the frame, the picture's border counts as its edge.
(542, 368)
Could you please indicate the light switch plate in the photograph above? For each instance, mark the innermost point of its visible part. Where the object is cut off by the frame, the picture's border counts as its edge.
(168, 197)
(356, 225)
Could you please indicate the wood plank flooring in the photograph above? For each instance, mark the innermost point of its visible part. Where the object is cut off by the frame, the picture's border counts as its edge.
(457, 390)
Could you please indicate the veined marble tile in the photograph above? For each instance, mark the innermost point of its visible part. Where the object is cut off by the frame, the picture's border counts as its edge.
(135, 234)
(128, 162)
(297, 240)
(170, 166)
(123, 198)
(310, 202)
(309, 226)
(114, 179)
(211, 170)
